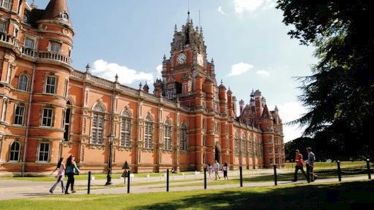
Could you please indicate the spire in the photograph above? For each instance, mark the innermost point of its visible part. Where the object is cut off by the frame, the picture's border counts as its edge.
(57, 10)
(188, 16)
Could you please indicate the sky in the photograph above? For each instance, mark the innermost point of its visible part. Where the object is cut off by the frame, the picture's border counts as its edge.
(246, 39)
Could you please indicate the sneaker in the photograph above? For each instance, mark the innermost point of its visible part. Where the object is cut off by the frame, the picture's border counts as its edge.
(66, 193)
(294, 180)
(73, 191)
(51, 191)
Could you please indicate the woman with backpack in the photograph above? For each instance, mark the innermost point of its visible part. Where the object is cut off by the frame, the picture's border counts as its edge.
(71, 169)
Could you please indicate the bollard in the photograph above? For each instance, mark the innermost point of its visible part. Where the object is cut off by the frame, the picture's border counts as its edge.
(204, 178)
(275, 174)
(128, 181)
(147, 177)
(339, 171)
(241, 176)
(89, 182)
(368, 167)
(167, 180)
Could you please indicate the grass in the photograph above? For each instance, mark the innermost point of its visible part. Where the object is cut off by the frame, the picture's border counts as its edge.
(345, 195)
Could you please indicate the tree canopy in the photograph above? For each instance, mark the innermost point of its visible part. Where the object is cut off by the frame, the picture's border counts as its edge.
(339, 94)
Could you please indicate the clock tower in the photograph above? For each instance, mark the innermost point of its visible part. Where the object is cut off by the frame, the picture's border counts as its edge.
(187, 64)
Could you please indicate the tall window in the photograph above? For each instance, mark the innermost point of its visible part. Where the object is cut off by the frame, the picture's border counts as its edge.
(148, 131)
(50, 84)
(184, 137)
(66, 122)
(19, 114)
(6, 4)
(14, 152)
(43, 151)
(167, 135)
(55, 47)
(125, 129)
(2, 27)
(236, 146)
(47, 119)
(23, 82)
(97, 128)
(4, 108)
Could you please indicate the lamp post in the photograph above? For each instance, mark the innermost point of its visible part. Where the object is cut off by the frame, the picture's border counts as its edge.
(109, 173)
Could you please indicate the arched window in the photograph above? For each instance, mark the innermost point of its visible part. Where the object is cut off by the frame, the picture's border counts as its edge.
(14, 152)
(97, 128)
(125, 129)
(148, 131)
(23, 82)
(184, 143)
(167, 136)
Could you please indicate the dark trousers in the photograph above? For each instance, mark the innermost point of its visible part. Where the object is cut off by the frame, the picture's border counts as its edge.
(297, 168)
(310, 173)
(70, 182)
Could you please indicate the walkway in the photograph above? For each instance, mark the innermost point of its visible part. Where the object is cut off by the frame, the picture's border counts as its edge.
(13, 189)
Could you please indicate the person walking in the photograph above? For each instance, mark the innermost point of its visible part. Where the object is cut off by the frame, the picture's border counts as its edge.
(216, 169)
(60, 175)
(299, 165)
(225, 169)
(310, 164)
(125, 172)
(209, 168)
(71, 169)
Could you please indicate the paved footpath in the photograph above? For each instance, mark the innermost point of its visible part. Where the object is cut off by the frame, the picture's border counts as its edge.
(16, 189)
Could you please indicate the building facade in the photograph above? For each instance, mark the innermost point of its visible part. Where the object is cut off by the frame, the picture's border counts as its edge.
(51, 110)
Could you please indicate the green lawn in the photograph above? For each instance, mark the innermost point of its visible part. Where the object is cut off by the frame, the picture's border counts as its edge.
(345, 195)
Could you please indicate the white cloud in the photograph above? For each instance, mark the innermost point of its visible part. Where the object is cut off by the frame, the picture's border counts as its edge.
(240, 68)
(220, 10)
(242, 6)
(159, 69)
(263, 72)
(108, 71)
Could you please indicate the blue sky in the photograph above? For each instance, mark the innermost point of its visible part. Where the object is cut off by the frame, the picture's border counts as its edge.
(246, 39)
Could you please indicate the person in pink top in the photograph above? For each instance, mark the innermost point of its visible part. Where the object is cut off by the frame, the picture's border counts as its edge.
(60, 176)
(299, 165)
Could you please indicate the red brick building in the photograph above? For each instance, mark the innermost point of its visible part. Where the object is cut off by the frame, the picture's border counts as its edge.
(49, 109)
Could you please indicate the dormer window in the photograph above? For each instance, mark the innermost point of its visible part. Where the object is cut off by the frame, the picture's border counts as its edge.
(64, 15)
(26, 18)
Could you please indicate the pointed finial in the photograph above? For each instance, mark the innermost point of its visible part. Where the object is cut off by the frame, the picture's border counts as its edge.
(87, 67)
(212, 61)
(221, 82)
(164, 57)
(175, 28)
(33, 5)
(140, 86)
(116, 77)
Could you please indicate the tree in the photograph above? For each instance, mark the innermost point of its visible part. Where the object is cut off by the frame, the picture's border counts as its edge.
(340, 93)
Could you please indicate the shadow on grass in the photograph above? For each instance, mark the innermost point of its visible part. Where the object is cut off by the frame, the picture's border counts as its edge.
(340, 196)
